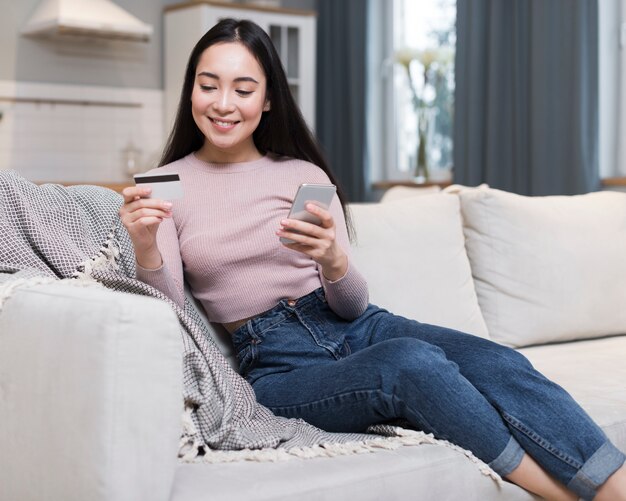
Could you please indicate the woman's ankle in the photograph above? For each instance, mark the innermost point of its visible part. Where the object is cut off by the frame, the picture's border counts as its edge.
(535, 479)
(614, 489)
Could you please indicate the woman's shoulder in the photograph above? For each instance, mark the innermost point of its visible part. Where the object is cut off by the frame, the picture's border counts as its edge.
(301, 169)
(171, 168)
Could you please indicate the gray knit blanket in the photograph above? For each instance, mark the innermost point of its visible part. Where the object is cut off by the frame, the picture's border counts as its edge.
(75, 233)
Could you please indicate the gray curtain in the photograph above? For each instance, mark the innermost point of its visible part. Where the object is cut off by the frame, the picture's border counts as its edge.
(340, 99)
(526, 98)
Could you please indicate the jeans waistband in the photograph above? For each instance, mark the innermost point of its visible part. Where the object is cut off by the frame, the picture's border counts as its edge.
(283, 309)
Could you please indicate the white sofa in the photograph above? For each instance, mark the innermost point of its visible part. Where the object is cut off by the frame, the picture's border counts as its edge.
(82, 420)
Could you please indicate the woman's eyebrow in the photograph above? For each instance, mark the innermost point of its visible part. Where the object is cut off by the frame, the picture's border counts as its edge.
(216, 77)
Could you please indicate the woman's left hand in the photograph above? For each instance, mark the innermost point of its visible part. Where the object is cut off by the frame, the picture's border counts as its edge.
(318, 242)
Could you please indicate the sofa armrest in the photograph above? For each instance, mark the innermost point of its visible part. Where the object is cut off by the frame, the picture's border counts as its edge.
(90, 395)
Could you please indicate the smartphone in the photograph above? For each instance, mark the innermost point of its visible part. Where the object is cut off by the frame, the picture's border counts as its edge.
(319, 194)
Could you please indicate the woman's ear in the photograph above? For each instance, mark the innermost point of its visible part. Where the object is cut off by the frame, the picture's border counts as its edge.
(267, 106)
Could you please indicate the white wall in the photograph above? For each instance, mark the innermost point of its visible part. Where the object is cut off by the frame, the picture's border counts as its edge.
(112, 63)
(57, 140)
(101, 63)
(50, 139)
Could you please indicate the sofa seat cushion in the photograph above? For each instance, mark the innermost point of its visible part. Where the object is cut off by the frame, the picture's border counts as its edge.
(414, 472)
(593, 372)
(412, 253)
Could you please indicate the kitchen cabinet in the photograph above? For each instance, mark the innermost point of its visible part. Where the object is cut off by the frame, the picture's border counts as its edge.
(292, 31)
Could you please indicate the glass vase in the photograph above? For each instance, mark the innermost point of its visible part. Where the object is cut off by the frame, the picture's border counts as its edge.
(421, 173)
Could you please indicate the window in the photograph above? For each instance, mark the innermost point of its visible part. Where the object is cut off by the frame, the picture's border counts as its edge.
(397, 30)
(612, 87)
(423, 86)
(410, 25)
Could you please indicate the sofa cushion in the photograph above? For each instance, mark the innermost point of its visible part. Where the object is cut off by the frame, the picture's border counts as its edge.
(402, 192)
(550, 268)
(593, 372)
(90, 395)
(426, 472)
(412, 254)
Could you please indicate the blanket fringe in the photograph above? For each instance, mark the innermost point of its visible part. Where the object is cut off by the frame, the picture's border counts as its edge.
(189, 447)
(333, 450)
(105, 259)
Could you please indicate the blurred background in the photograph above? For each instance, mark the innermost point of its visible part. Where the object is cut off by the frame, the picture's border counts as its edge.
(525, 95)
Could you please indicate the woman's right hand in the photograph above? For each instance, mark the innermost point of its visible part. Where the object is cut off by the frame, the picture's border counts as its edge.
(142, 216)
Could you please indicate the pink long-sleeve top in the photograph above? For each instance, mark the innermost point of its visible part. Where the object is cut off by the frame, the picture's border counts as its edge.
(221, 239)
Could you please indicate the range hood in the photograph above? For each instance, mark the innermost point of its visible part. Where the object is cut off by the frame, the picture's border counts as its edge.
(86, 19)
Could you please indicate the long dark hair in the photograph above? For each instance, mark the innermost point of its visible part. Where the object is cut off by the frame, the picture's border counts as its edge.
(282, 130)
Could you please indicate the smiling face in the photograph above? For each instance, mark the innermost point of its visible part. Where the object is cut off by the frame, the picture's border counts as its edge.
(227, 102)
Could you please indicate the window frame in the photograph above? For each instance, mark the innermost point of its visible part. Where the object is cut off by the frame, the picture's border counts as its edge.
(380, 155)
(621, 127)
(611, 88)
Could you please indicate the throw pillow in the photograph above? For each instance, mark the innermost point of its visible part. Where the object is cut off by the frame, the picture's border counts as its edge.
(401, 192)
(547, 269)
(412, 254)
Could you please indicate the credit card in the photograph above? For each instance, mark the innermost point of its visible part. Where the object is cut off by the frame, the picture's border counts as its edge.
(164, 186)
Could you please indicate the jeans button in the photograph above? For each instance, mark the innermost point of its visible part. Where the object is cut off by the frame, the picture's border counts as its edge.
(291, 302)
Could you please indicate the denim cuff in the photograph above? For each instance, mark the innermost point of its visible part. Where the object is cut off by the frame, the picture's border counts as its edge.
(509, 458)
(596, 470)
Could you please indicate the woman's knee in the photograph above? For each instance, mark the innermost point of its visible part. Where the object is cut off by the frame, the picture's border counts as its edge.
(508, 360)
(406, 360)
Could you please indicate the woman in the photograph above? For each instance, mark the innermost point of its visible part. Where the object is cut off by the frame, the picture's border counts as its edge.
(306, 338)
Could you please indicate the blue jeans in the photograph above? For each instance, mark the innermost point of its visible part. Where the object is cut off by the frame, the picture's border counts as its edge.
(304, 361)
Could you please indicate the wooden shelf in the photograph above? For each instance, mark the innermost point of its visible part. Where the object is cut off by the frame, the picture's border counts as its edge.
(72, 102)
(385, 185)
(614, 181)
